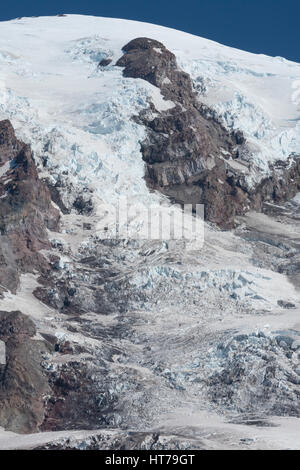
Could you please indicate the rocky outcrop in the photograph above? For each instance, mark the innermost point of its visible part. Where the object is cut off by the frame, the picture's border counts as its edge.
(26, 211)
(190, 156)
(22, 381)
(105, 62)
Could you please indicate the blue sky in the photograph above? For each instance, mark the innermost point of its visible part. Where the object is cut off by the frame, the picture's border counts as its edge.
(264, 26)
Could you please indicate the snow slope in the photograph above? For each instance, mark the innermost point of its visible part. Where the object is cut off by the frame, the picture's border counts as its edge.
(79, 115)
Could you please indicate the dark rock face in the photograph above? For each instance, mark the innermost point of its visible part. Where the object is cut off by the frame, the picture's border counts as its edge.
(22, 382)
(105, 62)
(83, 206)
(190, 156)
(25, 210)
(74, 399)
(282, 185)
(150, 60)
(26, 213)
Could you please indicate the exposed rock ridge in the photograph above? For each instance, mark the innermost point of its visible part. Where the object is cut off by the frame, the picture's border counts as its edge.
(26, 211)
(22, 381)
(190, 156)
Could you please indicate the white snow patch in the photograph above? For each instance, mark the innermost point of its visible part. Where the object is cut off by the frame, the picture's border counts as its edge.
(4, 169)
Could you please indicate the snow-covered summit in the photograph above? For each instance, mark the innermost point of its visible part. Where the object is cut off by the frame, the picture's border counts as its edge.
(78, 114)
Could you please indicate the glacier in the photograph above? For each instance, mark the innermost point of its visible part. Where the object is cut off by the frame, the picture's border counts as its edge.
(188, 316)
